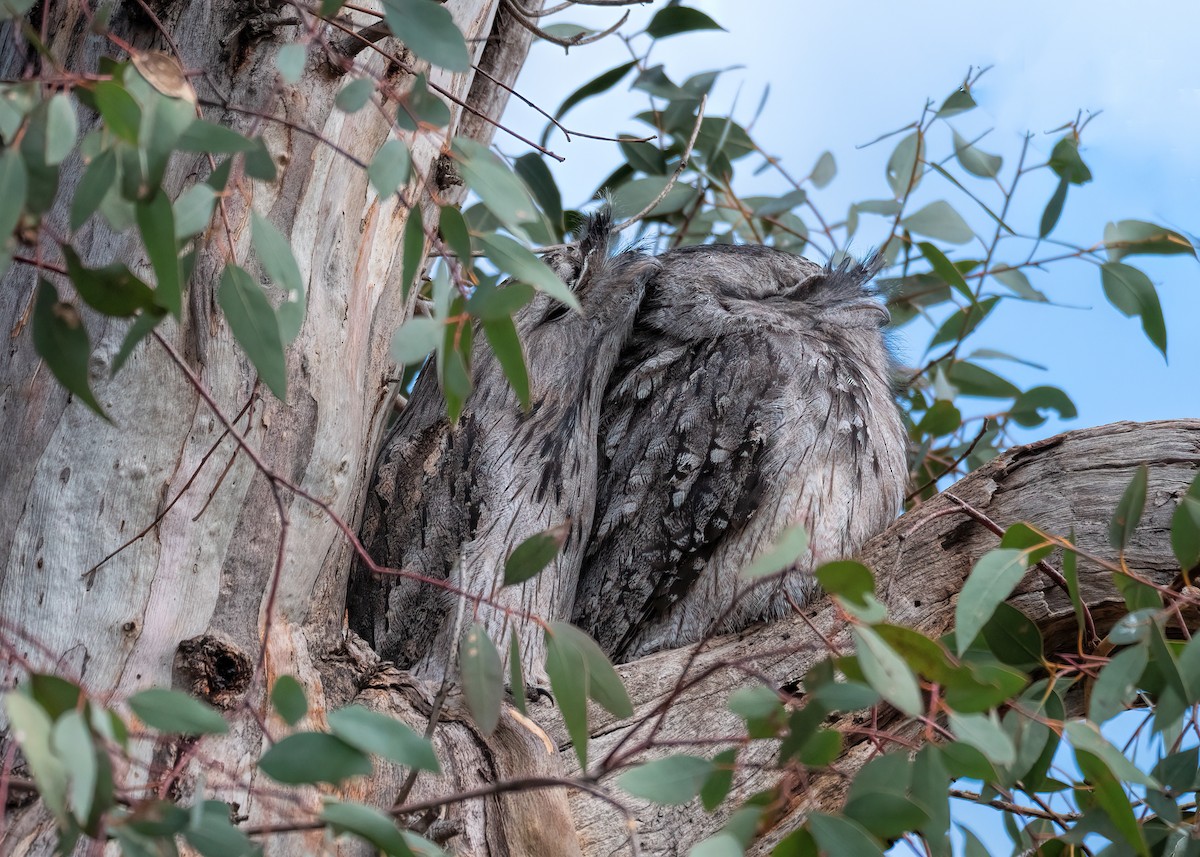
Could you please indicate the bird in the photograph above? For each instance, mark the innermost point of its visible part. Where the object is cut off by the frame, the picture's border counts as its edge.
(752, 394)
(450, 500)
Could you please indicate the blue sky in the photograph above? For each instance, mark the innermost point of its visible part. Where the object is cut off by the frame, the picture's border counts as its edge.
(842, 73)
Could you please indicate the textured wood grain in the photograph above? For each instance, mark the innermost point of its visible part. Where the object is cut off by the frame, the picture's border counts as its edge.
(1069, 481)
(73, 488)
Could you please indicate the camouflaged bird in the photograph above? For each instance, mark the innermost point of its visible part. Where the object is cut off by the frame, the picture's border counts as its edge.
(700, 403)
(753, 394)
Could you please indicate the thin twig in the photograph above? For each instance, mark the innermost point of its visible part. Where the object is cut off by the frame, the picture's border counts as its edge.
(683, 162)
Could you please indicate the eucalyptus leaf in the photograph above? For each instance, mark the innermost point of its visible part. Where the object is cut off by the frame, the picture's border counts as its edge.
(482, 677)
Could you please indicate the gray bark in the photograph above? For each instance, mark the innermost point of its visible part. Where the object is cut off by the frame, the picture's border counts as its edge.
(186, 604)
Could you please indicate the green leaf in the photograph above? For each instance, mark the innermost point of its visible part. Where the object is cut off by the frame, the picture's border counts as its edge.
(71, 739)
(1129, 510)
(390, 167)
(984, 733)
(973, 380)
(824, 170)
(904, 166)
(1117, 684)
(939, 220)
(1025, 538)
(60, 338)
(16, 102)
(716, 787)
(213, 139)
(991, 581)
(428, 30)
(118, 109)
(842, 837)
(490, 302)
(287, 697)
(259, 163)
(61, 129)
(1185, 528)
(290, 62)
(254, 326)
(31, 727)
(580, 670)
(277, 260)
(421, 106)
(788, 547)
(367, 823)
(515, 259)
(847, 579)
(193, 211)
(175, 712)
(633, 197)
(1053, 209)
(533, 171)
(482, 677)
(959, 101)
(772, 206)
(1130, 237)
(1027, 409)
(1131, 291)
(373, 732)
(945, 269)
(498, 187)
(164, 121)
(672, 781)
(961, 323)
(887, 672)
(1014, 638)
(516, 676)
(415, 339)
(1108, 792)
(42, 178)
(531, 556)
(13, 182)
(354, 96)
(976, 161)
(156, 221)
(942, 418)
(672, 20)
(502, 336)
(413, 250)
(314, 757)
(56, 695)
(1016, 282)
(213, 834)
(595, 86)
(454, 231)
(139, 330)
(1067, 164)
(1085, 736)
(112, 290)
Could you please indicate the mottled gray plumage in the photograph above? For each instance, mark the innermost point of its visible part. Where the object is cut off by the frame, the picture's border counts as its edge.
(702, 402)
(474, 490)
(753, 393)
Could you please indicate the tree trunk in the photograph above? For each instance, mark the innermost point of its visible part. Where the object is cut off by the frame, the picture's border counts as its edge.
(193, 601)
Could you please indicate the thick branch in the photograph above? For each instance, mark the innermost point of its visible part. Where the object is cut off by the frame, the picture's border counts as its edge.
(1071, 481)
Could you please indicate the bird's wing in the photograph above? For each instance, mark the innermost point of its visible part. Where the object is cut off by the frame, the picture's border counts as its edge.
(681, 445)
